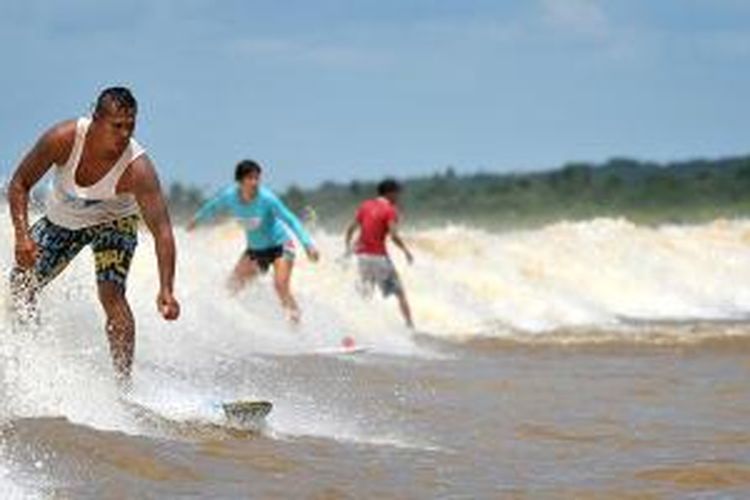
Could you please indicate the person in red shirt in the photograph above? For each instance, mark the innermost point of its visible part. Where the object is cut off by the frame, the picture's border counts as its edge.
(377, 219)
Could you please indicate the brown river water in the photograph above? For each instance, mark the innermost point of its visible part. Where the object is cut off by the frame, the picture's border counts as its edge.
(552, 421)
(540, 371)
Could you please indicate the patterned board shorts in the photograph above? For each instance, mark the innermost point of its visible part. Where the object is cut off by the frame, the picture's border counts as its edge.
(113, 244)
(378, 270)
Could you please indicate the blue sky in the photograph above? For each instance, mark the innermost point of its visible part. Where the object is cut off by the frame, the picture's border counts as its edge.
(343, 89)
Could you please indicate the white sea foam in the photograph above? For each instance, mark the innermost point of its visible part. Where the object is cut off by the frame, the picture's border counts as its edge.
(594, 274)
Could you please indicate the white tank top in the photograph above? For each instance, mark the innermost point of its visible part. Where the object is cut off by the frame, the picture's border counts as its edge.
(76, 207)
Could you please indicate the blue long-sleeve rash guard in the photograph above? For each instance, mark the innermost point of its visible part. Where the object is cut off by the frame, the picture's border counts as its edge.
(263, 218)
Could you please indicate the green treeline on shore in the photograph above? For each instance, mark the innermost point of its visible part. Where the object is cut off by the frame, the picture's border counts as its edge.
(645, 192)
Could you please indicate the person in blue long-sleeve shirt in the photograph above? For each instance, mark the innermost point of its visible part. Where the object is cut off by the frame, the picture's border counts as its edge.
(267, 222)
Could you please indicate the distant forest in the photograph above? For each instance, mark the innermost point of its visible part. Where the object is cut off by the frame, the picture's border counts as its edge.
(645, 192)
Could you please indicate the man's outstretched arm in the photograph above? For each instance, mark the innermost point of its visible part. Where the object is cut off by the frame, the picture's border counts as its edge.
(349, 235)
(147, 191)
(396, 237)
(49, 149)
(211, 208)
(293, 223)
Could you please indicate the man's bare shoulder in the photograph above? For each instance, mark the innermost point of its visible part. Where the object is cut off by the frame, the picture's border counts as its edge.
(142, 167)
(139, 176)
(60, 138)
(62, 132)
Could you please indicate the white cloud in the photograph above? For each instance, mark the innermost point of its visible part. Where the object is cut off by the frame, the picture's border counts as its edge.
(728, 44)
(578, 17)
(484, 30)
(310, 52)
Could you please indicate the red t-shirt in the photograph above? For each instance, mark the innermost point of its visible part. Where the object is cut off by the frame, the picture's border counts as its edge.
(374, 217)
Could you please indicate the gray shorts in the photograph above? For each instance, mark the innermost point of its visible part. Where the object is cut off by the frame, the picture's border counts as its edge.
(377, 270)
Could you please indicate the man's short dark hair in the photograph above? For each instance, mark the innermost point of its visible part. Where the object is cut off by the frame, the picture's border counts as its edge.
(245, 168)
(388, 186)
(119, 97)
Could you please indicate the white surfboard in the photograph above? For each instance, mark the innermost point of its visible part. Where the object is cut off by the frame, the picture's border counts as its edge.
(343, 349)
(241, 416)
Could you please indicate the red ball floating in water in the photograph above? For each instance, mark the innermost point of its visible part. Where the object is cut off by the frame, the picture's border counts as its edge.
(347, 342)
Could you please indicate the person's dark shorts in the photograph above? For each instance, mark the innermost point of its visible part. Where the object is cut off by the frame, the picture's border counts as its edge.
(113, 244)
(265, 257)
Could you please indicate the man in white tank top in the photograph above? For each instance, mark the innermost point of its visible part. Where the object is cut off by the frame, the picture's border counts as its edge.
(103, 180)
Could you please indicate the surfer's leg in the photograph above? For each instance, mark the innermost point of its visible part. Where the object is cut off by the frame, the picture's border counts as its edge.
(120, 329)
(403, 304)
(390, 284)
(366, 281)
(114, 244)
(24, 286)
(282, 277)
(244, 271)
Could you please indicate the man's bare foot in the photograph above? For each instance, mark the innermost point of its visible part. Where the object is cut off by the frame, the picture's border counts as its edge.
(294, 316)
(124, 384)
